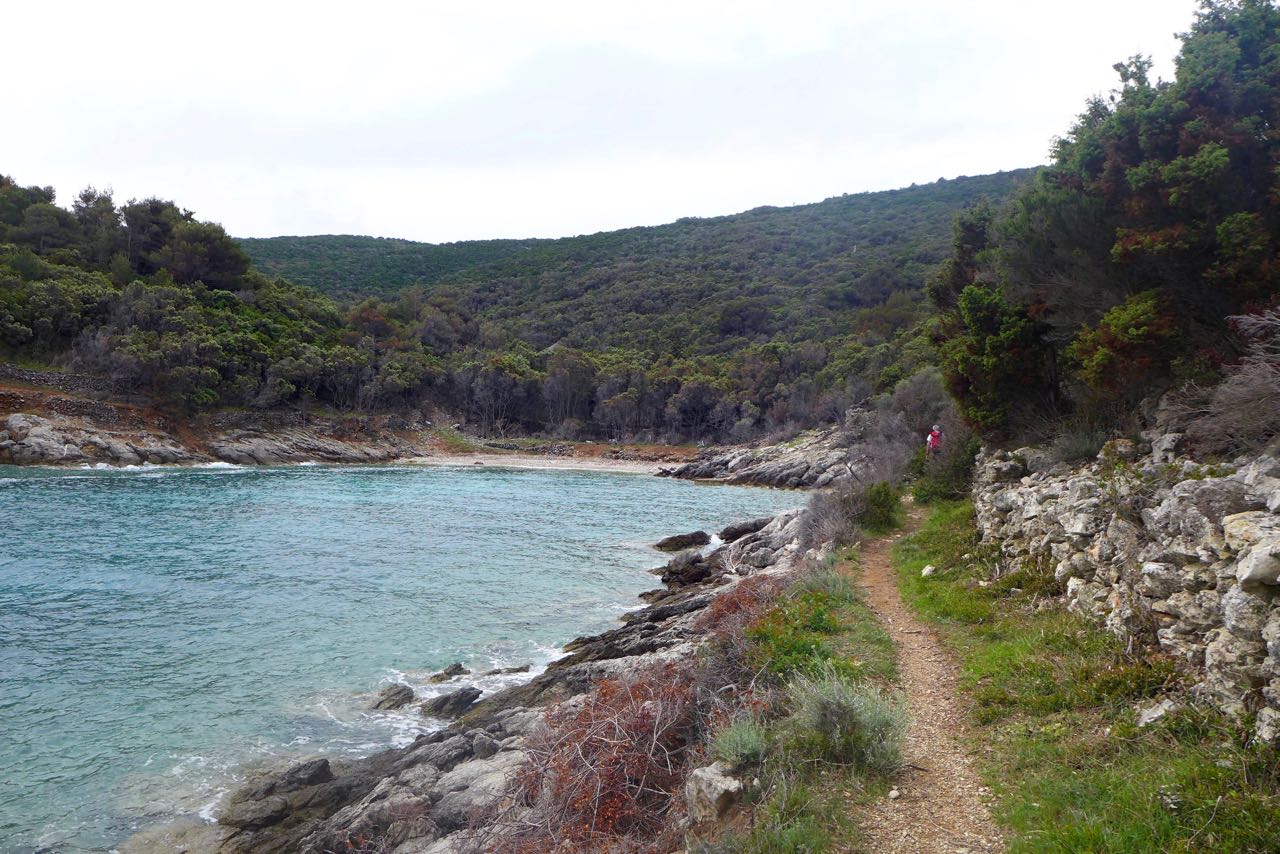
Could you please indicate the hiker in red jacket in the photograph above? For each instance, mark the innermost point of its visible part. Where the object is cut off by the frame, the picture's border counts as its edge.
(933, 442)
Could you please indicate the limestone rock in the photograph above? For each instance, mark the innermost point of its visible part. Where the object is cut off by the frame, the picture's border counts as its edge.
(710, 792)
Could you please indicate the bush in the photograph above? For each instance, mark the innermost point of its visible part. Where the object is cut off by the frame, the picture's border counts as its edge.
(836, 720)
(1071, 445)
(605, 773)
(949, 474)
(1240, 414)
(835, 515)
(742, 744)
(883, 508)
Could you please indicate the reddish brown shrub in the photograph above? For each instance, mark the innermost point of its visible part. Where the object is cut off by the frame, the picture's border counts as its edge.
(730, 612)
(606, 772)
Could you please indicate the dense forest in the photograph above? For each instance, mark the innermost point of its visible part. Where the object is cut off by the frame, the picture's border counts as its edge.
(1144, 258)
(721, 328)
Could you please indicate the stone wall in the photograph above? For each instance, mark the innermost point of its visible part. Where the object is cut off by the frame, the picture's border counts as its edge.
(1157, 548)
(69, 383)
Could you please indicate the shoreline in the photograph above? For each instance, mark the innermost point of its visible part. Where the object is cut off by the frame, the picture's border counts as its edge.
(534, 461)
(319, 802)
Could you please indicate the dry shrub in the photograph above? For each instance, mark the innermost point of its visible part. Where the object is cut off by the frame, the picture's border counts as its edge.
(1240, 414)
(733, 610)
(606, 772)
(834, 515)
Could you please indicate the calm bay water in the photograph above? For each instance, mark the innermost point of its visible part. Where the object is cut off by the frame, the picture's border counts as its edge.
(161, 628)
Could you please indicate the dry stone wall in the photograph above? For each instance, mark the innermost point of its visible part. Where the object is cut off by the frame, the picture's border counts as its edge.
(1157, 548)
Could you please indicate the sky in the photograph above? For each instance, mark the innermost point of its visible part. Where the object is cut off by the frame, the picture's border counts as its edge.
(453, 121)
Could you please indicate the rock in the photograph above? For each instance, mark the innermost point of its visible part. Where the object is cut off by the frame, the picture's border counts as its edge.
(254, 814)
(473, 787)
(1151, 714)
(738, 530)
(690, 568)
(504, 671)
(483, 746)
(455, 669)
(393, 697)
(1007, 471)
(710, 792)
(451, 705)
(1255, 536)
(894, 794)
(679, 542)
(1244, 613)
(310, 773)
(928, 571)
(1268, 726)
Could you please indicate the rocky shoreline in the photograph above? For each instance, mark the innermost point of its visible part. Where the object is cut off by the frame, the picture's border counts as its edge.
(425, 798)
(43, 428)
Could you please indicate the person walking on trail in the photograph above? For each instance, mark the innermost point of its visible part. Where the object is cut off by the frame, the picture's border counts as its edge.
(933, 442)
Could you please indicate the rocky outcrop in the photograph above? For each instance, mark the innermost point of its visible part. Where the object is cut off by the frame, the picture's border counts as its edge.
(816, 460)
(297, 445)
(424, 797)
(33, 440)
(453, 704)
(393, 697)
(1157, 547)
(679, 542)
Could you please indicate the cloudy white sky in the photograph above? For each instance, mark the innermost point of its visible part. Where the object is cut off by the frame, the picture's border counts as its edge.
(449, 121)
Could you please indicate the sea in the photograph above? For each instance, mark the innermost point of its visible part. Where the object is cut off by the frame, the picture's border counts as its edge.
(165, 632)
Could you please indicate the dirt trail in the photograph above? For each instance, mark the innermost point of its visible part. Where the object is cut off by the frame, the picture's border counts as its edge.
(941, 803)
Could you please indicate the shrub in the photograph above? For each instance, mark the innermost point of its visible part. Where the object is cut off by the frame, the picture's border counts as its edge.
(883, 508)
(835, 515)
(742, 744)
(948, 474)
(1240, 414)
(836, 720)
(1079, 444)
(605, 773)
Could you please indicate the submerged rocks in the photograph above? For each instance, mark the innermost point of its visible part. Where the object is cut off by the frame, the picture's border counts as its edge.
(679, 542)
(455, 669)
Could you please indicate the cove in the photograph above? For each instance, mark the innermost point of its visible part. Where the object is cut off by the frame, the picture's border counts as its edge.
(162, 630)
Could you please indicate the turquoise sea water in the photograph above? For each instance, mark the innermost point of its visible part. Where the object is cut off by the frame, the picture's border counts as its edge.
(161, 630)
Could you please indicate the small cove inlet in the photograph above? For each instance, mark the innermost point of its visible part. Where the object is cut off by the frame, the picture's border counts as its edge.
(162, 630)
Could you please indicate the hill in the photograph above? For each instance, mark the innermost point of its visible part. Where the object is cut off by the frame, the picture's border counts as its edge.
(695, 286)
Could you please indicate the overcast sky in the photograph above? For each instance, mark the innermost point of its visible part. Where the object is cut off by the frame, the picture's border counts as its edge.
(442, 122)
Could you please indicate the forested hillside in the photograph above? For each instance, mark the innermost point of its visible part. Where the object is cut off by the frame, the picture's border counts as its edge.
(693, 287)
(723, 328)
(1146, 257)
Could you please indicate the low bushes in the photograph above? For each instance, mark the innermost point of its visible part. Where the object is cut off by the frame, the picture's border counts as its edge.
(834, 719)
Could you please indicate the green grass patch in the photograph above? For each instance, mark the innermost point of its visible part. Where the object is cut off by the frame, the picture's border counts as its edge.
(1053, 702)
(822, 622)
(831, 731)
(454, 442)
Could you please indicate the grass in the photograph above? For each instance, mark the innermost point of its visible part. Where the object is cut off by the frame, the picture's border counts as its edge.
(831, 732)
(1054, 699)
(453, 442)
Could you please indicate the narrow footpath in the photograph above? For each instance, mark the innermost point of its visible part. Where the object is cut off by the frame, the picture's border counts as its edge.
(941, 802)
